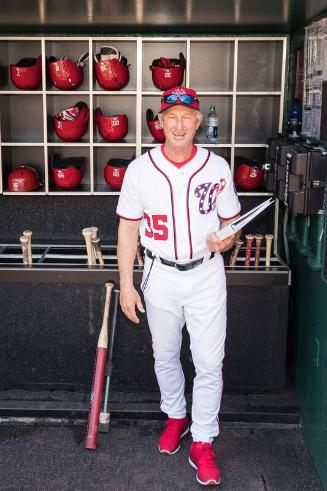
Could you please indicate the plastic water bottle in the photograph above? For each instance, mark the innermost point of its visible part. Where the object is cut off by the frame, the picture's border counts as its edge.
(212, 124)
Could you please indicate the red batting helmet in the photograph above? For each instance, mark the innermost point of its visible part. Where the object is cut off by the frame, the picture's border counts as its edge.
(248, 175)
(22, 179)
(71, 124)
(66, 74)
(67, 172)
(114, 172)
(111, 128)
(155, 127)
(111, 68)
(168, 72)
(27, 73)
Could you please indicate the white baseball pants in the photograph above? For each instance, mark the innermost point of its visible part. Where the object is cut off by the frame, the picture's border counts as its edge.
(197, 297)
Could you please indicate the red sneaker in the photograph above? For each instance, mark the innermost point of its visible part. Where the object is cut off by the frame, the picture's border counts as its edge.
(202, 458)
(169, 440)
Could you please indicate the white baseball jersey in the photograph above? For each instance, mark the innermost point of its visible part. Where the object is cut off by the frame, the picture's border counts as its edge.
(178, 207)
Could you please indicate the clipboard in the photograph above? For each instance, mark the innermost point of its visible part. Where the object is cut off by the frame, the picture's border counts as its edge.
(243, 220)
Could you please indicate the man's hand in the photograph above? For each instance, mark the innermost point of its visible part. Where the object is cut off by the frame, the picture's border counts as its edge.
(216, 245)
(129, 300)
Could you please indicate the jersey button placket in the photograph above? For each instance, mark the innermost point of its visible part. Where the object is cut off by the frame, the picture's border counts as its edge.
(182, 228)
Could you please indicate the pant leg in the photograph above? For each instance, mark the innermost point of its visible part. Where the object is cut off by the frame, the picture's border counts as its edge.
(205, 314)
(166, 321)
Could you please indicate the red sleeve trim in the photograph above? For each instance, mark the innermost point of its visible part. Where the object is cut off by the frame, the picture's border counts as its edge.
(230, 218)
(127, 218)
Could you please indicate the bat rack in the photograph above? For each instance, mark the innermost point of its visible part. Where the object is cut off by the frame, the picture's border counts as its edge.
(276, 273)
(67, 263)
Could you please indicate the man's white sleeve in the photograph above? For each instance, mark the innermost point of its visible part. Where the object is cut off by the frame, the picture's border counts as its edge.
(129, 203)
(228, 205)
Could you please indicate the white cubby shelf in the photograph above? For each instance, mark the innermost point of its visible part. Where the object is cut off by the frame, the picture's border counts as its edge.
(243, 76)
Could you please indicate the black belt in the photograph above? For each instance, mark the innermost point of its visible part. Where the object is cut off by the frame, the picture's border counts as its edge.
(180, 267)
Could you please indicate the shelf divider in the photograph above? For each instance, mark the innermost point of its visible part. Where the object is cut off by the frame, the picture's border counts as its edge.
(45, 117)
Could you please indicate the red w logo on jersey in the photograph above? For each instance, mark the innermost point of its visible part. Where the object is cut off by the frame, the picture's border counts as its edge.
(208, 193)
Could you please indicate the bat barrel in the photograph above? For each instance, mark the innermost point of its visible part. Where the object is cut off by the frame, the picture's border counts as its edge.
(98, 380)
(98, 376)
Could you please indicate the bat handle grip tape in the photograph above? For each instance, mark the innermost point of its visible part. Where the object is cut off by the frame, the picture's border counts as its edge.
(249, 240)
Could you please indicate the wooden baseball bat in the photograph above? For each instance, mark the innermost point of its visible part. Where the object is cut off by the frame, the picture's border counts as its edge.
(87, 232)
(104, 418)
(97, 249)
(24, 242)
(249, 239)
(235, 252)
(258, 241)
(28, 234)
(94, 252)
(269, 239)
(98, 375)
(94, 232)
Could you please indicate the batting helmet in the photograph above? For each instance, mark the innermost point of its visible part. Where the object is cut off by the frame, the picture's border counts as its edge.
(111, 128)
(111, 69)
(71, 124)
(168, 72)
(68, 172)
(27, 73)
(249, 174)
(23, 178)
(66, 74)
(114, 172)
(155, 127)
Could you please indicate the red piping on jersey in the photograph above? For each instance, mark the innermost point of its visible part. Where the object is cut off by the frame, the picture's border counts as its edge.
(131, 219)
(230, 218)
(171, 198)
(188, 206)
(179, 165)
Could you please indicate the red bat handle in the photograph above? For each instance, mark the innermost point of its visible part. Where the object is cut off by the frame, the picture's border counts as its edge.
(95, 404)
(249, 239)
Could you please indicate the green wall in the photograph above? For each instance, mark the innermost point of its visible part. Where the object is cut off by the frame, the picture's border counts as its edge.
(308, 342)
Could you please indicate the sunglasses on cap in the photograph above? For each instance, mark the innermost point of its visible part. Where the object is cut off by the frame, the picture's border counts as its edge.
(185, 98)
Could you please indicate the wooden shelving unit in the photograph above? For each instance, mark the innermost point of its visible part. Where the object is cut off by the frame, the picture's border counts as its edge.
(243, 76)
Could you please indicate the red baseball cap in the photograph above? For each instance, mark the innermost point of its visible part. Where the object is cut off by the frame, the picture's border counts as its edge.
(179, 95)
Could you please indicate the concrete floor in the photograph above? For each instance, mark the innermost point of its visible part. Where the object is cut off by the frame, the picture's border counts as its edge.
(52, 458)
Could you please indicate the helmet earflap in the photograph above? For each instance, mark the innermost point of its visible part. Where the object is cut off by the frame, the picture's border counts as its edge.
(65, 74)
(24, 178)
(155, 126)
(27, 73)
(67, 172)
(111, 69)
(168, 72)
(248, 174)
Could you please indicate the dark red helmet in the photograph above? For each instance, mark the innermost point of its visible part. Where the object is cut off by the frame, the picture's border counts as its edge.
(248, 174)
(155, 127)
(71, 124)
(27, 73)
(111, 128)
(111, 69)
(24, 178)
(67, 172)
(66, 74)
(168, 72)
(114, 172)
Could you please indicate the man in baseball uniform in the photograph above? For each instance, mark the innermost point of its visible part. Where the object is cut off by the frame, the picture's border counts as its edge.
(176, 196)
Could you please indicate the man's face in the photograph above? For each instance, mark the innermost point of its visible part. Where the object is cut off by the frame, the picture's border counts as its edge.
(180, 124)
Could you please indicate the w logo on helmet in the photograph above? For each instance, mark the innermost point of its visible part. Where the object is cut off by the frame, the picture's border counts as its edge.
(208, 193)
